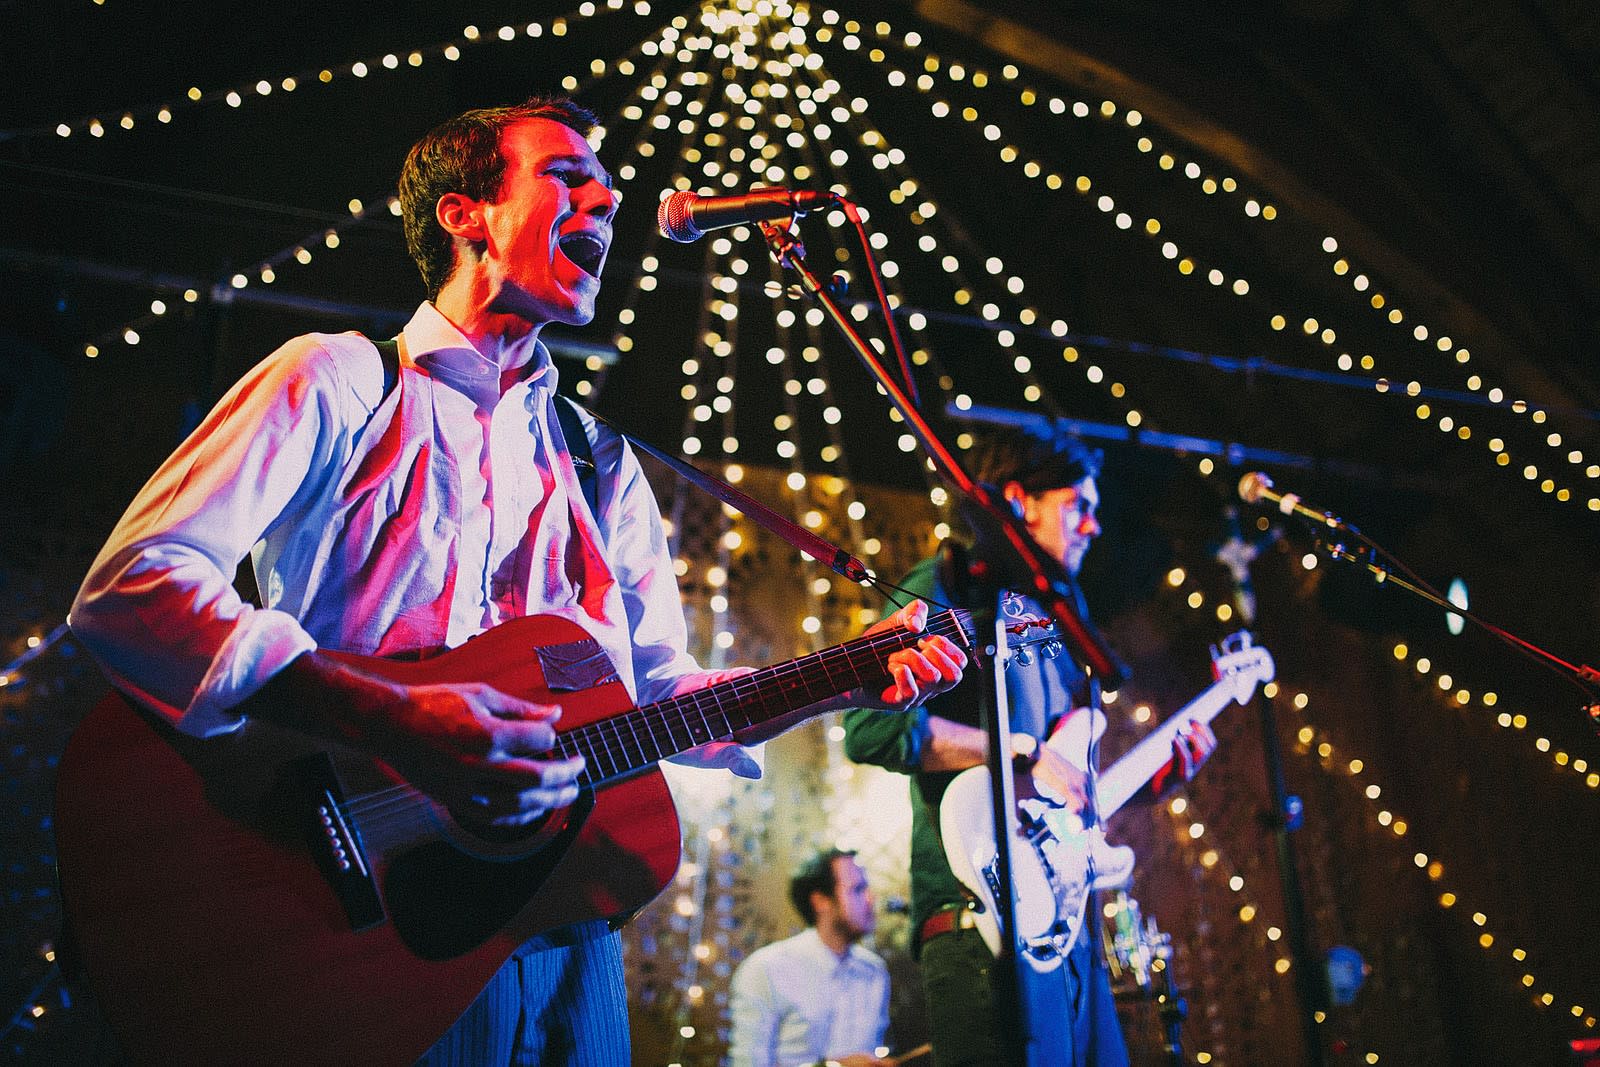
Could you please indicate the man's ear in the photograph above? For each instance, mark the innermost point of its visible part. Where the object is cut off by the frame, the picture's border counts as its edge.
(1017, 497)
(460, 216)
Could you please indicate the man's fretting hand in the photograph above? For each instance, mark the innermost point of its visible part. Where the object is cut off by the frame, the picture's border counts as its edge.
(925, 670)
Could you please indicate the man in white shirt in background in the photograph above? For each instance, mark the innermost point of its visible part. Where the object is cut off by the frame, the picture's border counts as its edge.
(818, 996)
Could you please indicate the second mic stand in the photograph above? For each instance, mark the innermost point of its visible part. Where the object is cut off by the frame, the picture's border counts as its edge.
(1020, 564)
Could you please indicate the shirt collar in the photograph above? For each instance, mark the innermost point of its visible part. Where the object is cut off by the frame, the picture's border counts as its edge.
(853, 955)
(437, 345)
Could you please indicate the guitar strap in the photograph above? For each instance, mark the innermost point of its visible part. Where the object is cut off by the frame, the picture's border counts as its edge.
(581, 450)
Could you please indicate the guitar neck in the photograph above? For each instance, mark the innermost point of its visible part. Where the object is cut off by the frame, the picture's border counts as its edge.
(624, 744)
(1128, 775)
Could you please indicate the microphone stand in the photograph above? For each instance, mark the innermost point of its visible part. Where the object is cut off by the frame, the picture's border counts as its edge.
(1311, 985)
(1343, 541)
(1018, 563)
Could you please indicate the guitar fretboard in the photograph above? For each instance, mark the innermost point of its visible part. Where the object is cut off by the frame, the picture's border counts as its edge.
(626, 743)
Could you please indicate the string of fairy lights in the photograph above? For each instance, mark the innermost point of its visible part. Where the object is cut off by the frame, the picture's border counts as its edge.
(1341, 266)
(722, 20)
(722, 303)
(1313, 742)
(1307, 738)
(1445, 687)
(1444, 683)
(1186, 265)
(1189, 829)
(1446, 690)
(752, 37)
(237, 96)
(265, 271)
(1025, 317)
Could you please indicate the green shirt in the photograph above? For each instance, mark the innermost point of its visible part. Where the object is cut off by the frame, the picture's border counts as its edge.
(1038, 693)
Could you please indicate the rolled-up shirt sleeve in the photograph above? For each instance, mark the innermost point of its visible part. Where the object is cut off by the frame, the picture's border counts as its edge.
(158, 608)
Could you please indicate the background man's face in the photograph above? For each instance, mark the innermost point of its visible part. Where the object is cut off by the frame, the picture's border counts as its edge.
(1063, 520)
(852, 898)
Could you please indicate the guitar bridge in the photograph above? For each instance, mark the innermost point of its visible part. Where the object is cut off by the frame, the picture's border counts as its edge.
(336, 846)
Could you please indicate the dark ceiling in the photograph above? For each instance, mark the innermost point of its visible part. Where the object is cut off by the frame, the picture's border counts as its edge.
(1449, 153)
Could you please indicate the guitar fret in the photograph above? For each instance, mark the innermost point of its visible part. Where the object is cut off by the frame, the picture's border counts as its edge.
(598, 747)
(637, 747)
(656, 751)
(635, 739)
(672, 735)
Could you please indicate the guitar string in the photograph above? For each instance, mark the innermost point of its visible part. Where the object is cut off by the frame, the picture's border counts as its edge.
(676, 711)
(414, 802)
(376, 806)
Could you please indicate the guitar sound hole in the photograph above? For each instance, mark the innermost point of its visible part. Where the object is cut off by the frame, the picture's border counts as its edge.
(501, 836)
(444, 901)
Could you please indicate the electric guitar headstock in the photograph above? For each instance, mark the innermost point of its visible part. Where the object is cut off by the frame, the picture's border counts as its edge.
(1243, 664)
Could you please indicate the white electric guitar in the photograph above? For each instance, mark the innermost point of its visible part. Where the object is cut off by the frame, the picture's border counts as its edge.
(1052, 852)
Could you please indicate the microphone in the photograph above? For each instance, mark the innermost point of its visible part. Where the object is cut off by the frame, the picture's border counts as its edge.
(685, 216)
(1256, 487)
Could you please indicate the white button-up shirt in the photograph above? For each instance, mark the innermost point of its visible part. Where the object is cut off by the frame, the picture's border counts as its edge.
(379, 523)
(796, 1002)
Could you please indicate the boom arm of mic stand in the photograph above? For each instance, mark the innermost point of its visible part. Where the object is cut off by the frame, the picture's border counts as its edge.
(1022, 563)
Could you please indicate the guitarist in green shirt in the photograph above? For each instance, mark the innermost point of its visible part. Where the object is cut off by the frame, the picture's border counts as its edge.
(1051, 483)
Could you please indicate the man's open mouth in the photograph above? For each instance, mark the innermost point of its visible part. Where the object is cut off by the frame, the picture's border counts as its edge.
(586, 251)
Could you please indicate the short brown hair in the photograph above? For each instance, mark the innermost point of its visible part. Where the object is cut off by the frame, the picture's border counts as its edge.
(462, 155)
(816, 875)
(1037, 459)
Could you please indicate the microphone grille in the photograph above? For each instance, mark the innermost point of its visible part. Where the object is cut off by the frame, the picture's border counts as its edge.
(672, 217)
(1252, 485)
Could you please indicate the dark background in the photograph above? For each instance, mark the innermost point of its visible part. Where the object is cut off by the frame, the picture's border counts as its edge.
(1451, 150)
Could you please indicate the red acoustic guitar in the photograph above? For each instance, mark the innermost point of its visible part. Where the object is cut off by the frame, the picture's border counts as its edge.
(261, 898)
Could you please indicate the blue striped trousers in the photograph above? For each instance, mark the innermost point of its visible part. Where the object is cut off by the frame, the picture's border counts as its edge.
(563, 1004)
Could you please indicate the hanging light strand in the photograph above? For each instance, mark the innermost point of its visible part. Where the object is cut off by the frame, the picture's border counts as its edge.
(402, 61)
(1311, 741)
(1108, 111)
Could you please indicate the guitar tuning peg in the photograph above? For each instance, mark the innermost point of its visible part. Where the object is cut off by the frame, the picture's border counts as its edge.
(1024, 657)
(1052, 649)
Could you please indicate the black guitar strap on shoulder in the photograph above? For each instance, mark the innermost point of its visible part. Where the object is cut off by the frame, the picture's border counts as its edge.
(389, 352)
(581, 449)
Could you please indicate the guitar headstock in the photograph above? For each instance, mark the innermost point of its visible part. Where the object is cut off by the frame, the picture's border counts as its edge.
(1239, 661)
(1024, 635)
